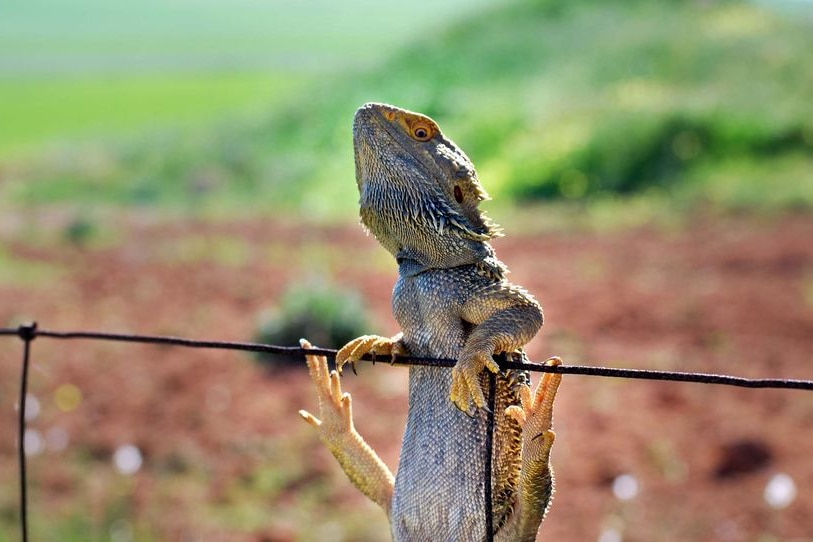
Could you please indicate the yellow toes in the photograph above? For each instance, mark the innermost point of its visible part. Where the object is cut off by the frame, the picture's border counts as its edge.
(369, 344)
(310, 418)
(535, 411)
(466, 389)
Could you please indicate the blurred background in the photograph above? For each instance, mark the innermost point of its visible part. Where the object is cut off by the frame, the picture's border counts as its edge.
(185, 167)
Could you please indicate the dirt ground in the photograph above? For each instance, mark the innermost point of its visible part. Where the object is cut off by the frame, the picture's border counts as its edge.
(225, 456)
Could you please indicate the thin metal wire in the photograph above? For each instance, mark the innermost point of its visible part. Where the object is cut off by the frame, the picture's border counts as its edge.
(638, 374)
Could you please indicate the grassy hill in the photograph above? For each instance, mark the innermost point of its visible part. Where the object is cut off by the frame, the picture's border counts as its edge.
(681, 101)
(87, 68)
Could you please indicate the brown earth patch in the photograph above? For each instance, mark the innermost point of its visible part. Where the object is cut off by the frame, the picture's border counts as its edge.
(226, 457)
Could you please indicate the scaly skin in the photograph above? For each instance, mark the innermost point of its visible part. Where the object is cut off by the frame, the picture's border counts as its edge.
(420, 196)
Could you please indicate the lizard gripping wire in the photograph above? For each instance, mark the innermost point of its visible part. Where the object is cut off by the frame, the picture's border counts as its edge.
(29, 331)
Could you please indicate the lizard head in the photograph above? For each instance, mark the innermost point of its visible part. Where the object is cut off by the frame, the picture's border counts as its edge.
(419, 193)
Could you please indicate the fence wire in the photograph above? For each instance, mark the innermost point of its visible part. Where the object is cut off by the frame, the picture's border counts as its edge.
(29, 332)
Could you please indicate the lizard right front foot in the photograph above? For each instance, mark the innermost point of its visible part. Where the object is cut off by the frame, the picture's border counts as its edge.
(370, 344)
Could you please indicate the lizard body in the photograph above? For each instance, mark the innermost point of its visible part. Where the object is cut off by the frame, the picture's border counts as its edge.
(419, 196)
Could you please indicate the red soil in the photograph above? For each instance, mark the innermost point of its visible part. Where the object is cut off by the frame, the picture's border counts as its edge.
(226, 457)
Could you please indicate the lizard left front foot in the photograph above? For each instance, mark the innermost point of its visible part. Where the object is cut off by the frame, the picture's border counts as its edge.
(466, 389)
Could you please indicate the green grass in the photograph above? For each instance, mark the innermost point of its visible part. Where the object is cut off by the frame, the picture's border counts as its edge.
(91, 107)
(697, 102)
(588, 99)
(80, 69)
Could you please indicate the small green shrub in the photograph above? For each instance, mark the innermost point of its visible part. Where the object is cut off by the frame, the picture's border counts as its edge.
(326, 315)
(79, 231)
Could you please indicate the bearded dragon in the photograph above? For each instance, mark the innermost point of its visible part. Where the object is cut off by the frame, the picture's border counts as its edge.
(419, 197)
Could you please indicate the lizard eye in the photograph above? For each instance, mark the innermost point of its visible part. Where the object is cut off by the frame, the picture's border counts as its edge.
(458, 194)
(421, 131)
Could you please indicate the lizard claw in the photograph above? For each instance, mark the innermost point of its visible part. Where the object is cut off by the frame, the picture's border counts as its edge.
(466, 389)
(369, 344)
(335, 407)
(535, 415)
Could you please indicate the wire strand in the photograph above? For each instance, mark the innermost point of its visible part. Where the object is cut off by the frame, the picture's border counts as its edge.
(295, 351)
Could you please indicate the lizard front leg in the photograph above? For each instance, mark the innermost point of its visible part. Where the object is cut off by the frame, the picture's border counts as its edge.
(336, 430)
(505, 318)
(535, 490)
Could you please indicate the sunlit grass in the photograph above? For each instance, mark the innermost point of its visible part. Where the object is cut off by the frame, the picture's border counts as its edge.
(576, 101)
(88, 68)
(36, 111)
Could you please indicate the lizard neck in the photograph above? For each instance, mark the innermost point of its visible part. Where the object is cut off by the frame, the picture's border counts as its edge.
(410, 226)
(488, 266)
